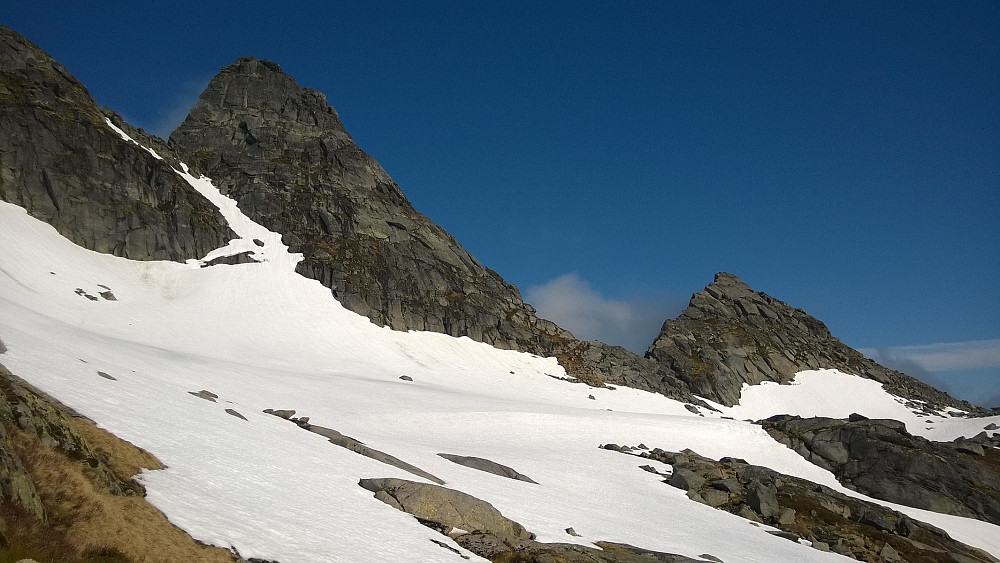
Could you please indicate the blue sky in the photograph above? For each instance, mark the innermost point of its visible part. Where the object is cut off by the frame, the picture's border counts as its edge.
(609, 159)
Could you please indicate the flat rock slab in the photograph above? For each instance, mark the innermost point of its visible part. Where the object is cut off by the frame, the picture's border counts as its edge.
(488, 466)
(356, 446)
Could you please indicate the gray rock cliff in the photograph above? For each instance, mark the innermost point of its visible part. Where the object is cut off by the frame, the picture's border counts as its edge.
(61, 162)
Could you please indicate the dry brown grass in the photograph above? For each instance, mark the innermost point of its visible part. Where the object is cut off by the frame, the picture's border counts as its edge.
(100, 526)
(122, 457)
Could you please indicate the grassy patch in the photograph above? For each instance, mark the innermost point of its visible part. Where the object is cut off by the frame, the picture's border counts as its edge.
(85, 522)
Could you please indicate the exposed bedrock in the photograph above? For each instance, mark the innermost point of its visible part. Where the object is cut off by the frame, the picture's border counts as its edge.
(882, 460)
(61, 162)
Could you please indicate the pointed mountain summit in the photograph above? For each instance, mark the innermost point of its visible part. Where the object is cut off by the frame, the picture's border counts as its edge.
(730, 334)
(65, 165)
(281, 151)
(283, 154)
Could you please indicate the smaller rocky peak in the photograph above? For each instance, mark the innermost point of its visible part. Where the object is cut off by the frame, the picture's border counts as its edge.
(730, 335)
(730, 299)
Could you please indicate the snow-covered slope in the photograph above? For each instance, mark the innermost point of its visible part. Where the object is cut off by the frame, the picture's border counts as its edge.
(260, 336)
(834, 394)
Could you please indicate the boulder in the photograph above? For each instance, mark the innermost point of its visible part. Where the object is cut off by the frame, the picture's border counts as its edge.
(448, 507)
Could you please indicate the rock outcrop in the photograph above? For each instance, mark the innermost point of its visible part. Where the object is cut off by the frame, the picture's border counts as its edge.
(882, 460)
(829, 520)
(447, 508)
(24, 408)
(730, 334)
(61, 161)
(488, 466)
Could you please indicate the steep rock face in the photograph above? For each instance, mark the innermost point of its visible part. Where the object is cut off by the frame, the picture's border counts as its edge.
(881, 459)
(730, 334)
(61, 162)
(283, 154)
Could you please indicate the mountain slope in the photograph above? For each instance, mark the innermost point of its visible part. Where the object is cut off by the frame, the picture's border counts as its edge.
(282, 153)
(268, 338)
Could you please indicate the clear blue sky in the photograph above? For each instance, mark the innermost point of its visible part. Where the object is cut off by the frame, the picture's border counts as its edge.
(609, 159)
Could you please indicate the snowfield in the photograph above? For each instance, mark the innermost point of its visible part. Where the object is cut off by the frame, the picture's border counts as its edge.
(260, 336)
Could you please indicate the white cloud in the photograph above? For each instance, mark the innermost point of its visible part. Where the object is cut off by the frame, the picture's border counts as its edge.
(573, 304)
(974, 354)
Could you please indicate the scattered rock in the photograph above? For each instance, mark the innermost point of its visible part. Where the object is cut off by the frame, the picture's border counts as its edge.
(106, 376)
(991, 426)
(108, 296)
(203, 394)
(235, 413)
(487, 466)
(286, 414)
(591, 397)
(3, 347)
(258, 242)
(406, 378)
(572, 532)
(346, 442)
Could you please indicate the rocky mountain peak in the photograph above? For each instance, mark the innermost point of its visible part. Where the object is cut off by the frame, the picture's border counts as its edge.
(730, 298)
(730, 335)
(252, 110)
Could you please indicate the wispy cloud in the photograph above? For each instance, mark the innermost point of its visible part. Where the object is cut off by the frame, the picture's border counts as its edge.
(974, 354)
(968, 370)
(173, 114)
(573, 304)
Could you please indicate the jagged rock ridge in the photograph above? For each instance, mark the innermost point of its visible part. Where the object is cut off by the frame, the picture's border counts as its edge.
(61, 162)
(730, 334)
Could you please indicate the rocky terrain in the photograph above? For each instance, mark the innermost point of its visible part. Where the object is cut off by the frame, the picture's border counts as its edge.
(730, 335)
(482, 529)
(828, 520)
(881, 459)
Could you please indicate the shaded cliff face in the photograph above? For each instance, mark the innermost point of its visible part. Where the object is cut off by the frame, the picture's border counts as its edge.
(730, 335)
(61, 161)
